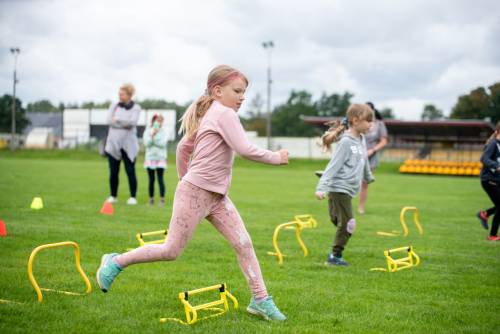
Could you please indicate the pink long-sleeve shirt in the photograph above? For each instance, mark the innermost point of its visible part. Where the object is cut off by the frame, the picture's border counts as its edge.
(206, 159)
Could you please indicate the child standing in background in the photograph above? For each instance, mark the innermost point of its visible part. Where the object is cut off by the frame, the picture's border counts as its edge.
(342, 177)
(155, 142)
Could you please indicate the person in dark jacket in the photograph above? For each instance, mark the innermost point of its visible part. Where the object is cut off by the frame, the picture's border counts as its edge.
(490, 181)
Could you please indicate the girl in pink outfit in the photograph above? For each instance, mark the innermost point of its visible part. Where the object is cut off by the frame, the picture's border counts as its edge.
(212, 133)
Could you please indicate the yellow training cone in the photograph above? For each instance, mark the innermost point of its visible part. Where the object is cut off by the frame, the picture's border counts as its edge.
(37, 203)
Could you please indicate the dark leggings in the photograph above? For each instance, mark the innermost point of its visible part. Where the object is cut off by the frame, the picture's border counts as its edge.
(493, 191)
(491, 211)
(151, 175)
(114, 171)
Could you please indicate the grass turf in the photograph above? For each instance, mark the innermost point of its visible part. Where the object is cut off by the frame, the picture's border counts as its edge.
(455, 289)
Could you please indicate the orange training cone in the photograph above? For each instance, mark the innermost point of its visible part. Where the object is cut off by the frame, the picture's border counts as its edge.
(3, 229)
(107, 209)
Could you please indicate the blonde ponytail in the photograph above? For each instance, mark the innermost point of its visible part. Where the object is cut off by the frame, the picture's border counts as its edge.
(335, 130)
(190, 121)
(338, 127)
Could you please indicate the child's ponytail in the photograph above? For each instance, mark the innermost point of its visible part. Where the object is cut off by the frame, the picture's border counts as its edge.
(334, 132)
(338, 127)
(190, 121)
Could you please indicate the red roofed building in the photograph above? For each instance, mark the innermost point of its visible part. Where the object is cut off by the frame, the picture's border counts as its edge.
(451, 140)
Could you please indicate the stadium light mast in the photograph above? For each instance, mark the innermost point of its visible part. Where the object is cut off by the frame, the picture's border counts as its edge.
(15, 52)
(268, 46)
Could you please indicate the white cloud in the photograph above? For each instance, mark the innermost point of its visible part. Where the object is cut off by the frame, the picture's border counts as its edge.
(400, 55)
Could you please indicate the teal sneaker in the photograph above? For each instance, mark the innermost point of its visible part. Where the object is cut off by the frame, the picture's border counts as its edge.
(265, 309)
(335, 260)
(107, 272)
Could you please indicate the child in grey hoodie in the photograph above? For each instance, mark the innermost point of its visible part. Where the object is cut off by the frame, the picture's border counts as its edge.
(342, 177)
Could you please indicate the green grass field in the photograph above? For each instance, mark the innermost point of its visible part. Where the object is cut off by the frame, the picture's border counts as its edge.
(456, 289)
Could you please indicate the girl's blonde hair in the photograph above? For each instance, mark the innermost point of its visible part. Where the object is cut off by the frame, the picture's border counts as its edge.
(337, 127)
(219, 76)
(494, 134)
(128, 88)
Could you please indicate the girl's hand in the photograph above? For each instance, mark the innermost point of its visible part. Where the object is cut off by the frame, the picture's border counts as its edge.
(371, 152)
(320, 195)
(284, 157)
(113, 119)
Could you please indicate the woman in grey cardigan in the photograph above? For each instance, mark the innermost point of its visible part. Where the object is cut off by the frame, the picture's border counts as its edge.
(122, 142)
(376, 139)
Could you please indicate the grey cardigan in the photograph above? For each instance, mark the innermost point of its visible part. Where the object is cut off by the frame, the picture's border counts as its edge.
(122, 132)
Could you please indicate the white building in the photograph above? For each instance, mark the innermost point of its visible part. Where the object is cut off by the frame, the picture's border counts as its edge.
(82, 126)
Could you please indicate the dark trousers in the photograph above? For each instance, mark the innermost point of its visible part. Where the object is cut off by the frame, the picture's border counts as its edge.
(493, 191)
(161, 184)
(114, 171)
(340, 209)
(491, 211)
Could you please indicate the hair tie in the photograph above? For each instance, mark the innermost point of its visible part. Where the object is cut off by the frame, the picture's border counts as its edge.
(345, 122)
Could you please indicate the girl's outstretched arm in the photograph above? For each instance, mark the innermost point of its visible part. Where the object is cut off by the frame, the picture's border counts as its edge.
(230, 128)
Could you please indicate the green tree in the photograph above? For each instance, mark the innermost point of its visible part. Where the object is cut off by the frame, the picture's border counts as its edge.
(41, 106)
(479, 104)
(494, 111)
(431, 113)
(334, 105)
(286, 119)
(6, 115)
(95, 105)
(387, 113)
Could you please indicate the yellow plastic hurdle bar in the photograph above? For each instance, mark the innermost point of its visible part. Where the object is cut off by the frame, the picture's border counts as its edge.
(84, 277)
(402, 218)
(307, 221)
(300, 222)
(140, 237)
(192, 311)
(393, 265)
(415, 220)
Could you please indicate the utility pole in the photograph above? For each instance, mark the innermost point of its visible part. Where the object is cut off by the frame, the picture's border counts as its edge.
(13, 144)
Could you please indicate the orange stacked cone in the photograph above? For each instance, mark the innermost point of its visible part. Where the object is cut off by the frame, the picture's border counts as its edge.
(463, 168)
(3, 229)
(107, 209)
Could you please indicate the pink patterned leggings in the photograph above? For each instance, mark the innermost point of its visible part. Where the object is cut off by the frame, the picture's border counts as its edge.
(191, 205)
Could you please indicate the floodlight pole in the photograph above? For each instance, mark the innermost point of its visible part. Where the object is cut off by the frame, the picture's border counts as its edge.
(13, 144)
(268, 46)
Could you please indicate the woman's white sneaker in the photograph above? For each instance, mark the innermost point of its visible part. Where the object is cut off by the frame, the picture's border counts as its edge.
(132, 201)
(112, 199)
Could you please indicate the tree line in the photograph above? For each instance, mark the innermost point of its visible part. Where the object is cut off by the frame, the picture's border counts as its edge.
(479, 103)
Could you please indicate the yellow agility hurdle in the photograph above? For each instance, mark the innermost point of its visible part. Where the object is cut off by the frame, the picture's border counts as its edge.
(403, 223)
(307, 221)
(300, 222)
(415, 220)
(140, 237)
(192, 311)
(393, 265)
(84, 277)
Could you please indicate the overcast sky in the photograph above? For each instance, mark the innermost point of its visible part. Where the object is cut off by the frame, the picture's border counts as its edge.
(398, 54)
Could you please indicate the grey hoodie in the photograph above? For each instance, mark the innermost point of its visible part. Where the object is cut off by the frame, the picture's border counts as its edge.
(349, 164)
